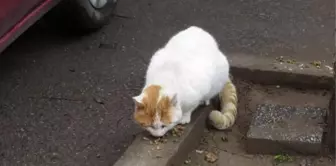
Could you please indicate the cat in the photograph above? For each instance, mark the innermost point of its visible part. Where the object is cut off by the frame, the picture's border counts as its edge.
(188, 71)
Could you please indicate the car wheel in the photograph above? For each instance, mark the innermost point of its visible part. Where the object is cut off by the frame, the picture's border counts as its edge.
(83, 15)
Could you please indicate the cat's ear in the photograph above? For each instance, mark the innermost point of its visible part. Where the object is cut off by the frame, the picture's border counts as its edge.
(173, 99)
(138, 101)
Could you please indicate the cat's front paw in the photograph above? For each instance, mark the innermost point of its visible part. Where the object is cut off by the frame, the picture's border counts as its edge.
(205, 103)
(185, 119)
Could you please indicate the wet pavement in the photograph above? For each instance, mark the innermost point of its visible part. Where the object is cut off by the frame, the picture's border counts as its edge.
(65, 100)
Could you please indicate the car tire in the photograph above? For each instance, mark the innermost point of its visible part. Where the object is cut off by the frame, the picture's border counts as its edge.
(81, 15)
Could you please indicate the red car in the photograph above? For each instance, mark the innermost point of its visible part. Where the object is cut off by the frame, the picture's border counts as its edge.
(16, 16)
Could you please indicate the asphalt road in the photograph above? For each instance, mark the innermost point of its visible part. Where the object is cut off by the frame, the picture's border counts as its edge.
(65, 100)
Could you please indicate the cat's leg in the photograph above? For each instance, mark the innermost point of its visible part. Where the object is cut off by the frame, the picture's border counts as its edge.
(205, 102)
(186, 117)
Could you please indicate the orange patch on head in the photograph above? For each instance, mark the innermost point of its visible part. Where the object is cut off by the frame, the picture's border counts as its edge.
(153, 104)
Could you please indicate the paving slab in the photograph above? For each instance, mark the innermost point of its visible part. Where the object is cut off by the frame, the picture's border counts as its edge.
(168, 151)
(277, 129)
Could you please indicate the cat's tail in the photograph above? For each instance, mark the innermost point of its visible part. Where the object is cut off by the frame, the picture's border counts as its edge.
(228, 102)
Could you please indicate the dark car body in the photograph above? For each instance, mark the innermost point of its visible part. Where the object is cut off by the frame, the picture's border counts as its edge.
(18, 15)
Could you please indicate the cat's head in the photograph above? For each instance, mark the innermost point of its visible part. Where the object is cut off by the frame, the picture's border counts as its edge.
(156, 111)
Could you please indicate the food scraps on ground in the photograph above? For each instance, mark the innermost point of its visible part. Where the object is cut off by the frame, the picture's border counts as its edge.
(187, 161)
(317, 64)
(158, 141)
(224, 139)
(178, 131)
(291, 61)
(210, 157)
(282, 60)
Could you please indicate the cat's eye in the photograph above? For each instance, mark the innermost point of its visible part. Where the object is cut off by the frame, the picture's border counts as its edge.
(163, 126)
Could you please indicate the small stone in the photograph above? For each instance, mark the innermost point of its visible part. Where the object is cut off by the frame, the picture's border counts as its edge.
(187, 161)
(145, 138)
(163, 140)
(199, 151)
(156, 142)
(329, 67)
(98, 100)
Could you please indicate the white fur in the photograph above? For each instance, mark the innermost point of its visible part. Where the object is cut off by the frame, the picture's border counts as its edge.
(190, 66)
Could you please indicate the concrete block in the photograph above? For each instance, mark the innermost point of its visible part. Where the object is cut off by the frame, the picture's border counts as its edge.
(265, 71)
(278, 129)
(172, 152)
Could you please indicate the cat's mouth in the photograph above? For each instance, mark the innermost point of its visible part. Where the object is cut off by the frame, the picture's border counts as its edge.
(157, 132)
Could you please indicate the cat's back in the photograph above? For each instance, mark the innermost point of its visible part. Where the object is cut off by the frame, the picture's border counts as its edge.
(190, 56)
(192, 50)
(192, 40)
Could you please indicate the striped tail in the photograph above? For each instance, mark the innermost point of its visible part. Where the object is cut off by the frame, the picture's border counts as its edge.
(228, 100)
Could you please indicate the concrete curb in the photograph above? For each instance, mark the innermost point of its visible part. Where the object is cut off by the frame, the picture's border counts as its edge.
(269, 72)
(171, 153)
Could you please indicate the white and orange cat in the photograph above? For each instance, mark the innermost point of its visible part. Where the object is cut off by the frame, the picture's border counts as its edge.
(189, 70)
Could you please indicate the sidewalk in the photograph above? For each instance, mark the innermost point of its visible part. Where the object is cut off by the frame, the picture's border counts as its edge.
(227, 148)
